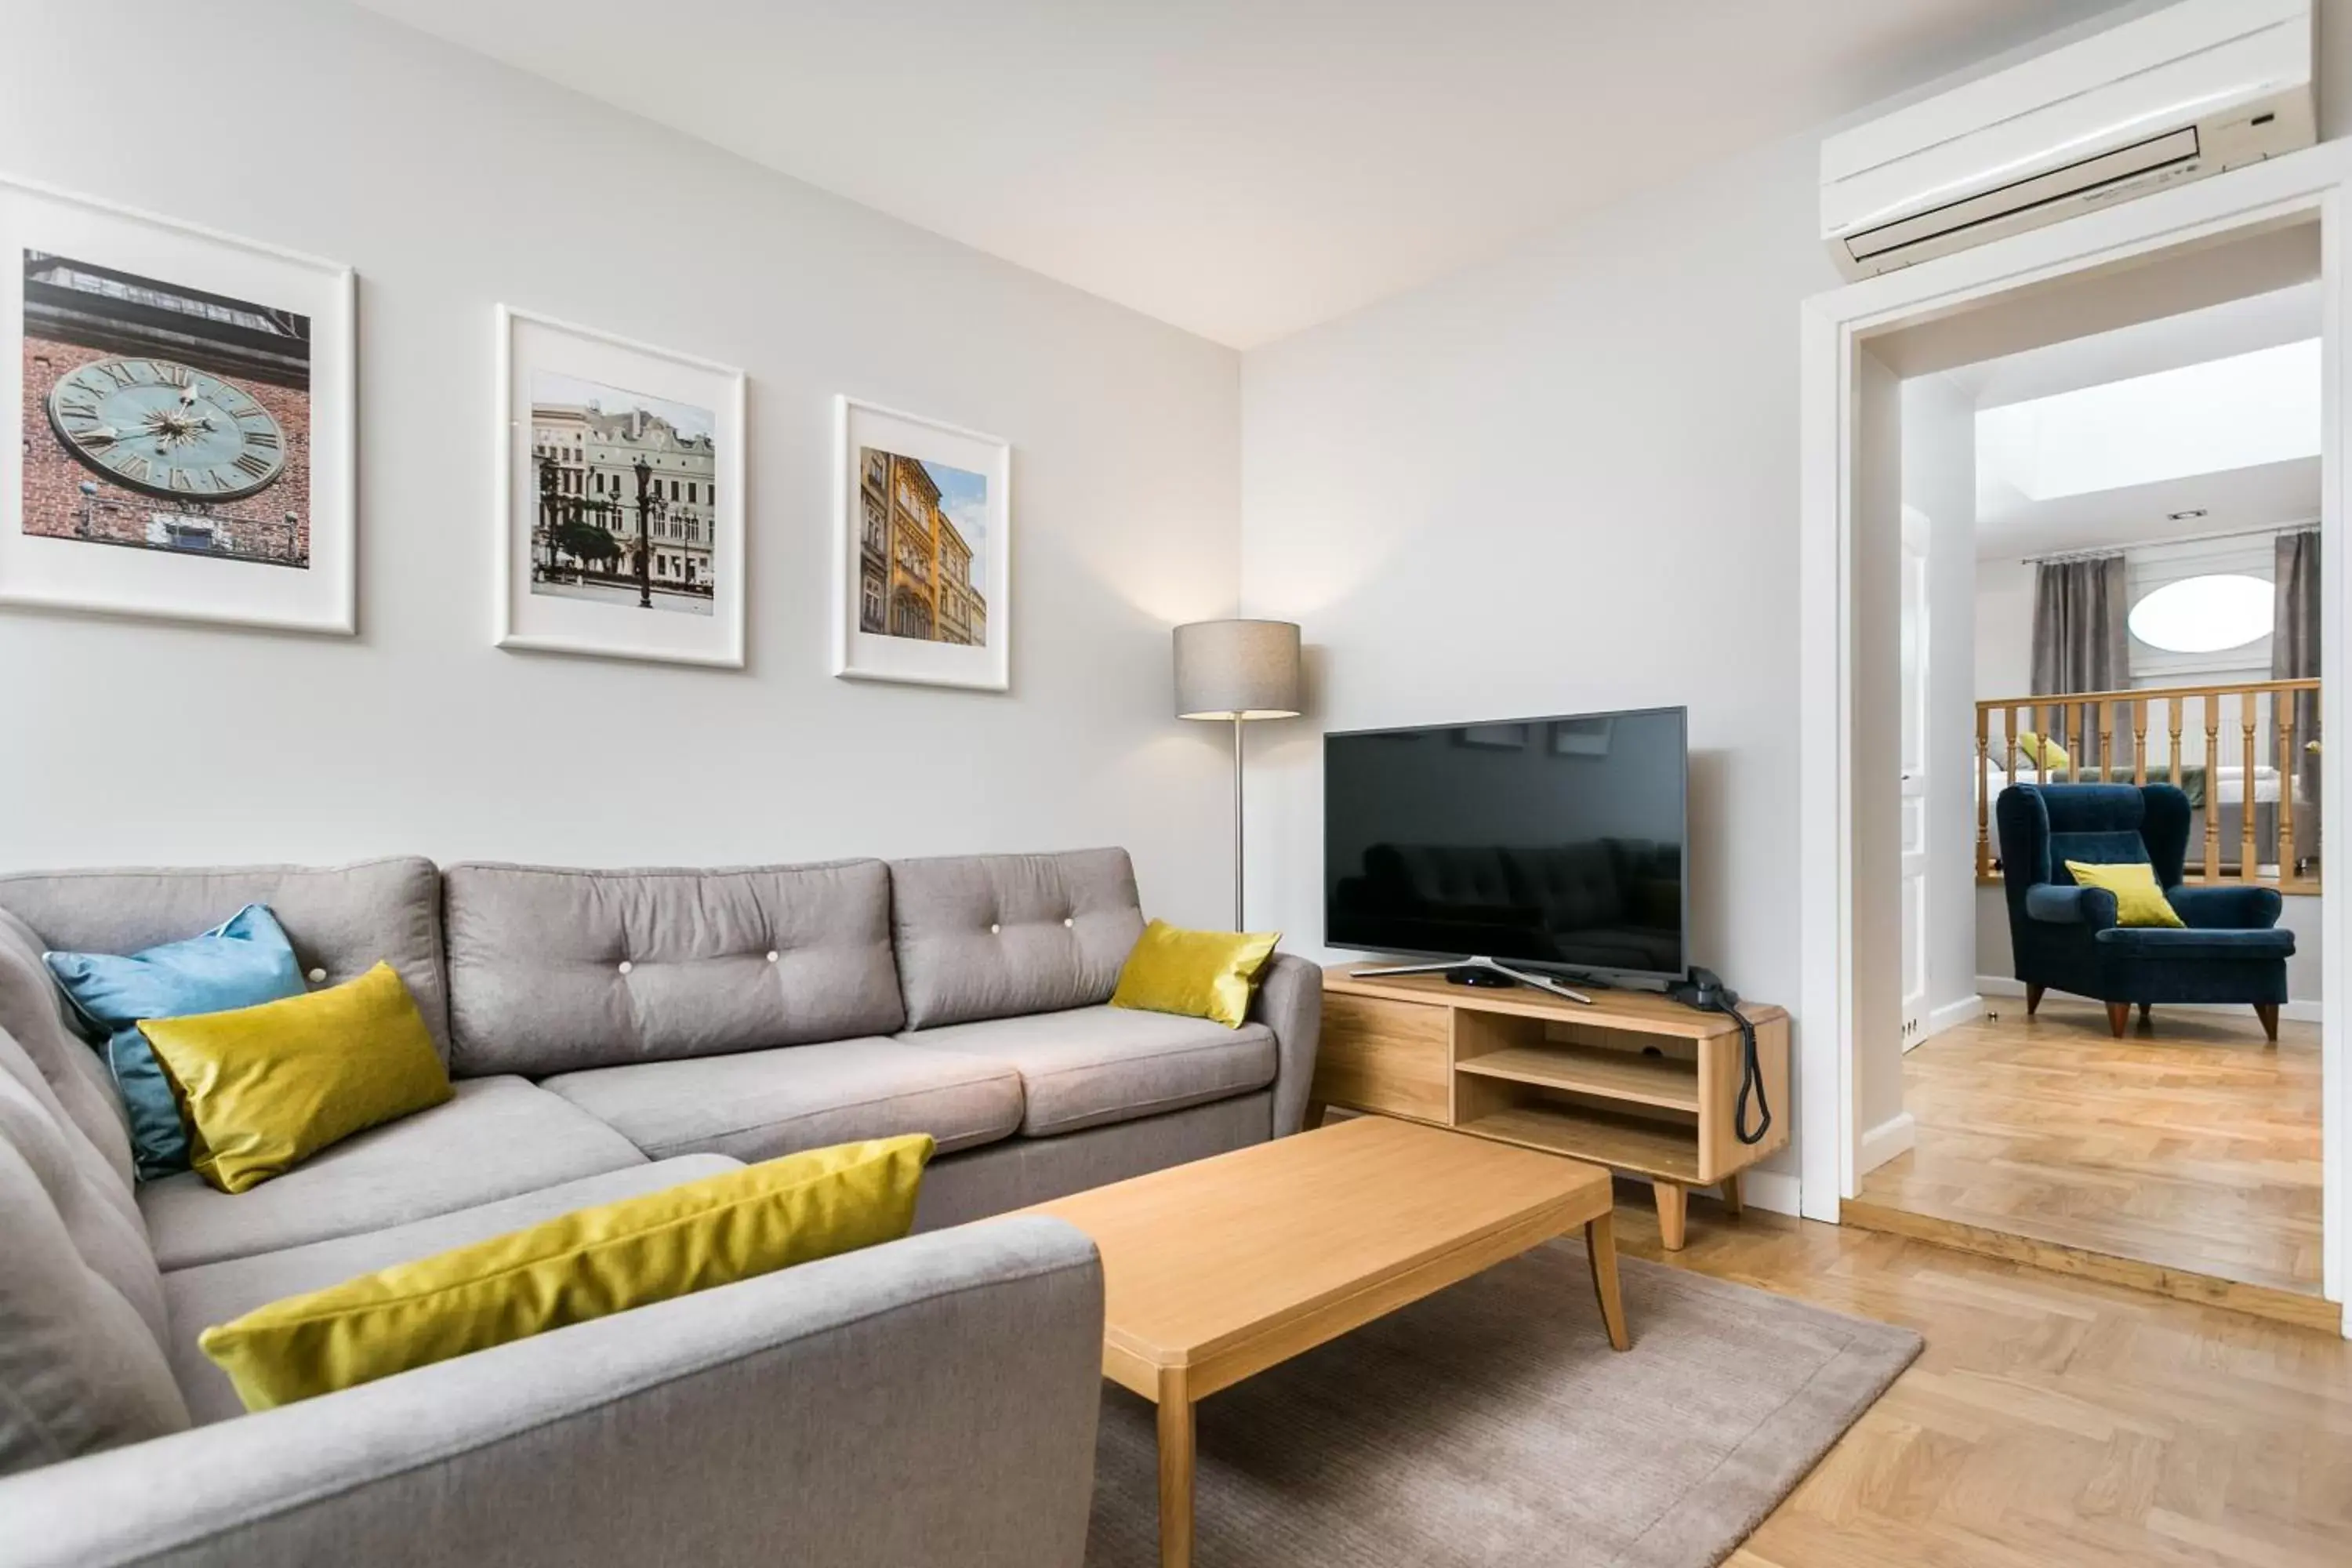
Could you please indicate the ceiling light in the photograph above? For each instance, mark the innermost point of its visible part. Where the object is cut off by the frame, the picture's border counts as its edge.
(2192, 515)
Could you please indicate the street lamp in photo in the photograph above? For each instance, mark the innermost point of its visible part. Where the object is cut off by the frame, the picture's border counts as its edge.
(548, 480)
(645, 537)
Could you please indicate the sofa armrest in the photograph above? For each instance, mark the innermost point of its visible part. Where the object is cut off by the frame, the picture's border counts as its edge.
(2240, 908)
(932, 1400)
(2059, 903)
(1289, 1001)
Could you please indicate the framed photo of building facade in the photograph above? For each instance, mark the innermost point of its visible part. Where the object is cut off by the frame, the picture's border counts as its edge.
(923, 551)
(620, 511)
(183, 435)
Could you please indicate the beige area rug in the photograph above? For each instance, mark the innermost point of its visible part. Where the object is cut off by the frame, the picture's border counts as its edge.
(1492, 1424)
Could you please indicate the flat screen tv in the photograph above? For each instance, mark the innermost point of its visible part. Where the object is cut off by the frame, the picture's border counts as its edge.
(1556, 843)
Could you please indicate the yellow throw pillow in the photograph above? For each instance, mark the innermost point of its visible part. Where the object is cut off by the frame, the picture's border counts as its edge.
(2138, 900)
(1200, 973)
(2043, 752)
(585, 1265)
(263, 1089)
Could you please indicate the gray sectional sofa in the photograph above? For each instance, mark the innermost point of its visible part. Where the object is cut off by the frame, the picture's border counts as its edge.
(611, 1032)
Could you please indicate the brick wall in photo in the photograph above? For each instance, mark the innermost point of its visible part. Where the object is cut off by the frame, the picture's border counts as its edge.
(255, 527)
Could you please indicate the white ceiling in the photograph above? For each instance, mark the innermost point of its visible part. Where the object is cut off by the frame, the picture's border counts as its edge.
(1240, 168)
(2199, 359)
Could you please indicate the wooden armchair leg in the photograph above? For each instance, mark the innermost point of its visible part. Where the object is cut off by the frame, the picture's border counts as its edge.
(2143, 1011)
(2032, 998)
(2268, 1012)
(2119, 1016)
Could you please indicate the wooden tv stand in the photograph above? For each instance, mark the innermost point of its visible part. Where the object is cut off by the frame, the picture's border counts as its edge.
(1635, 1082)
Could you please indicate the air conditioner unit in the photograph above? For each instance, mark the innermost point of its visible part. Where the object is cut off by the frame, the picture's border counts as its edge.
(2175, 94)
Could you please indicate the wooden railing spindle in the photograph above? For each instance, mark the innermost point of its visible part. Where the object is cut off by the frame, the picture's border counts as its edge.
(1984, 794)
(2282, 708)
(2212, 786)
(2249, 863)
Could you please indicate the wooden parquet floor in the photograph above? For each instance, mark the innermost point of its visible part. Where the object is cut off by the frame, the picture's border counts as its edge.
(2194, 1146)
(2050, 1422)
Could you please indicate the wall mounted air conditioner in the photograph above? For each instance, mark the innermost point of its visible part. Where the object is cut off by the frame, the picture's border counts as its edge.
(2174, 95)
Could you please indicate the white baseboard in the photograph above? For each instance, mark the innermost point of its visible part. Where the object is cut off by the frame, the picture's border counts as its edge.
(1968, 1009)
(2293, 1011)
(1891, 1137)
(1774, 1190)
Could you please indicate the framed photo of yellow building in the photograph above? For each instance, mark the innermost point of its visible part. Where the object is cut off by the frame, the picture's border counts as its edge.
(620, 497)
(923, 551)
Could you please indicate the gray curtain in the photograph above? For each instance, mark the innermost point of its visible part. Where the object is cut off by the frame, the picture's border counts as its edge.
(2080, 642)
(2294, 655)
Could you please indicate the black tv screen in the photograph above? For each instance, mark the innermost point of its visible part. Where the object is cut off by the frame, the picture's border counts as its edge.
(1554, 843)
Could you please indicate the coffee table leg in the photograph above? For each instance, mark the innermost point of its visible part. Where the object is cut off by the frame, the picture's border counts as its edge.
(1176, 1466)
(1600, 1246)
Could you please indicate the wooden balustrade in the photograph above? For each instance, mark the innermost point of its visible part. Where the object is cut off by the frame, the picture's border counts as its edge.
(2085, 725)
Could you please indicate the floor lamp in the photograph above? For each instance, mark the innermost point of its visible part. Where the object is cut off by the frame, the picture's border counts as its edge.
(1239, 670)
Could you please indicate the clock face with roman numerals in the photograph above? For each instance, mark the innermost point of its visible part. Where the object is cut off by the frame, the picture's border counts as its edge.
(168, 429)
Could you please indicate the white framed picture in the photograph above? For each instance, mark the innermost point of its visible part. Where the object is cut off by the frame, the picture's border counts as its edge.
(183, 404)
(620, 507)
(922, 551)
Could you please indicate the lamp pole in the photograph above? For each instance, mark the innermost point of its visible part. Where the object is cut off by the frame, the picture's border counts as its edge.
(1237, 822)
(644, 538)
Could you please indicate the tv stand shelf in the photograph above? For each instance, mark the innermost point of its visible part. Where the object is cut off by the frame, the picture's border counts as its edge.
(1635, 1082)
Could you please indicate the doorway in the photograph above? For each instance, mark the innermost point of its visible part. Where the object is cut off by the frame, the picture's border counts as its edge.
(1859, 993)
(2116, 589)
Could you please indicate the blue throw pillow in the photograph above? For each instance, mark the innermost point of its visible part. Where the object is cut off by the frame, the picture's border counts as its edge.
(241, 964)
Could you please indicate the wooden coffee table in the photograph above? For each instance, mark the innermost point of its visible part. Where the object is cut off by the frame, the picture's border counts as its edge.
(1216, 1270)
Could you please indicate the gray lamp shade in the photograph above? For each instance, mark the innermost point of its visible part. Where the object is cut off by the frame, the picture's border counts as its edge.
(1237, 669)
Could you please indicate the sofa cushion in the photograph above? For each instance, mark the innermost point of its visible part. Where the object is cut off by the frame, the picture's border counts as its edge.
(759, 1104)
(993, 936)
(215, 1292)
(33, 1011)
(555, 971)
(498, 1137)
(1095, 1064)
(81, 1369)
(244, 960)
(343, 919)
(100, 1216)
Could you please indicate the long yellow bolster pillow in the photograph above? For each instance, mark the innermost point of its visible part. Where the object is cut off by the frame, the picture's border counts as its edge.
(585, 1265)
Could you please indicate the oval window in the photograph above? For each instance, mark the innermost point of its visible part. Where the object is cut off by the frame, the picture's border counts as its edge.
(2204, 615)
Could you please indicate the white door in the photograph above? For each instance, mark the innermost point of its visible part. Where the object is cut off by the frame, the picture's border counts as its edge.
(1913, 674)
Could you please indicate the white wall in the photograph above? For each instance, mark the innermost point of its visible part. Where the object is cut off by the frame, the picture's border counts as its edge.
(2004, 629)
(1560, 481)
(1939, 480)
(451, 184)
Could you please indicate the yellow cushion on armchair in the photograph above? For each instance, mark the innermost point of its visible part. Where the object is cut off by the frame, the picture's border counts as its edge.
(2138, 900)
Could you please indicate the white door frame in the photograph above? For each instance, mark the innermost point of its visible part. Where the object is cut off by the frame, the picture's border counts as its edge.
(1829, 895)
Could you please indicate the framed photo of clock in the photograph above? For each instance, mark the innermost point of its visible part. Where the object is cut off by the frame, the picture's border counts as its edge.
(620, 497)
(186, 433)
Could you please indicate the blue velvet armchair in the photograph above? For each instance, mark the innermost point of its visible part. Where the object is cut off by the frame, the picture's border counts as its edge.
(2064, 936)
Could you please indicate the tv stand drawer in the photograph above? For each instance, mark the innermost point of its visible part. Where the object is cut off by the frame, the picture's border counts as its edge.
(1388, 1056)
